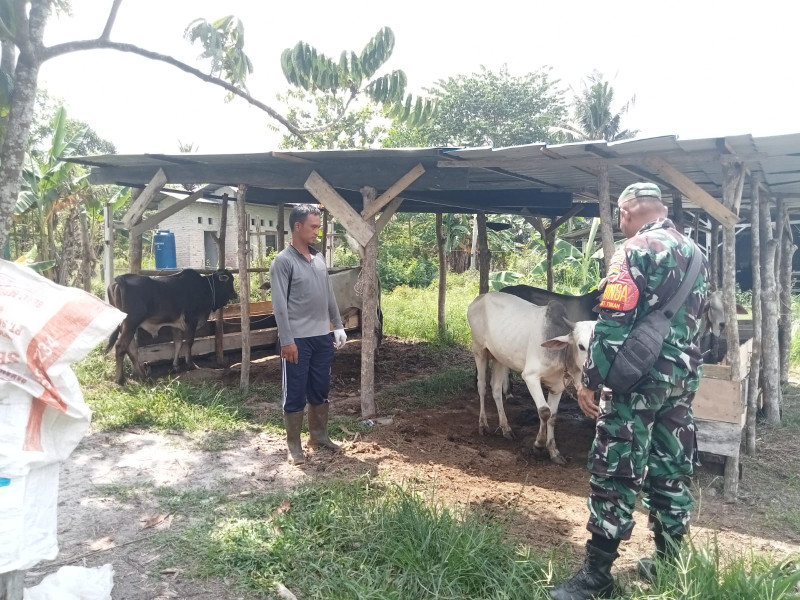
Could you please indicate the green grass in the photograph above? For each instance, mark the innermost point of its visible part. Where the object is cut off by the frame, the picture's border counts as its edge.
(359, 540)
(411, 313)
(171, 404)
(365, 539)
(429, 392)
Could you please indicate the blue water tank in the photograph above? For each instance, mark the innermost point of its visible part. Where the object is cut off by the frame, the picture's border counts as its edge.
(164, 248)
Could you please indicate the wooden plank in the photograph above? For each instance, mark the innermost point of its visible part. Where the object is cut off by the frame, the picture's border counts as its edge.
(484, 258)
(244, 286)
(339, 208)
(691, 190)
(718, 400)
(717, 372)
(139, 205)
(390, 194)
(152, 221)
(440, 241)
(234, 311)
(387, 214)
(718, 438)
(206, 345)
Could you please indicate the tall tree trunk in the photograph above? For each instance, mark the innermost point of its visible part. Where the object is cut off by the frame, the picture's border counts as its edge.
(30, 33)
(442, 276)
(8, 63)
(770, 349)
(606, 217)
(484, 258)
(755, 357)
(785, 329)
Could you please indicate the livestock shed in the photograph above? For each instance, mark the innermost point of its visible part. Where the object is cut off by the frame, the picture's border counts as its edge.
(704, 182)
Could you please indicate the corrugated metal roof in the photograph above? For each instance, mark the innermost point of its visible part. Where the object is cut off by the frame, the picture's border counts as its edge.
(497, 171)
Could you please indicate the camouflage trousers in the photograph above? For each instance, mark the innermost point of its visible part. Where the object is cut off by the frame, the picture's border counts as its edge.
(645, 442)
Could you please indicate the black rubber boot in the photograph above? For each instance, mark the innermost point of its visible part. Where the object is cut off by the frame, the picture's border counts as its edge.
(294, 425)
(594, 580)
(318, 427)
(667, 549)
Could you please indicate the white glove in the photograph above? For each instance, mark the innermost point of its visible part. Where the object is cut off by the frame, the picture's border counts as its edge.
(339, 338)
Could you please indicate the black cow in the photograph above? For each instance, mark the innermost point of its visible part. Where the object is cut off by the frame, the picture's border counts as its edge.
(579, 308)
(181, 301)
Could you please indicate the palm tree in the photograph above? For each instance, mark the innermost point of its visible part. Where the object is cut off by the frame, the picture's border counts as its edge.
(593, 114)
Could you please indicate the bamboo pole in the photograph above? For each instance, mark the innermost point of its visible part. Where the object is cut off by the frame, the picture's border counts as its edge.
(753, 387)
(606, 218)
(484, 259)
(442, 276)
(369, 312)
(770, 348)
(244, 286)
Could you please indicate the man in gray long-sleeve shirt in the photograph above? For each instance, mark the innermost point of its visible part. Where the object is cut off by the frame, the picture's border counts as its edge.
(305, 308)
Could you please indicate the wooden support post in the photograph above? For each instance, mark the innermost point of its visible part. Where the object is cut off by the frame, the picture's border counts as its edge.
(770, 347)
(260, 246)
(696, 227)
(788, 249)
(135, 242)
(484, 259)
(219, 330)
(108, 246)
(755, 358)
(11, 585)
(779, 204)
(606, 218)
(677, 211)
(442, 276)
(87, 260)
(369, 313)
(281, 226)
(152, 221)
(387, 214)
(549, 245)
(325, 234)
(396, 188)
(473, 256)
(713, 257)
(244, 286)
(733, 174)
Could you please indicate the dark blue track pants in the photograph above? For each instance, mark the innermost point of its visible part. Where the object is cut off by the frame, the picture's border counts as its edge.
(310, 378)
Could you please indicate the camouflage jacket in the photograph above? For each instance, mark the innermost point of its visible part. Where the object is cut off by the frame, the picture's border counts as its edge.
(648, 267)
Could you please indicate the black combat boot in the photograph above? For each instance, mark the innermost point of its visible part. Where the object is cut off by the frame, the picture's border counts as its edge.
(594, 580)
(318, 427)
(667, 549)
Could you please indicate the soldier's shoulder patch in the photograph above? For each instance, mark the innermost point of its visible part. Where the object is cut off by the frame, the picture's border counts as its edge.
(621, 293)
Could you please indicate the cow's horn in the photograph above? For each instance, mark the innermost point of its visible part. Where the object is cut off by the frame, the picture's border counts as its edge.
(568, 323)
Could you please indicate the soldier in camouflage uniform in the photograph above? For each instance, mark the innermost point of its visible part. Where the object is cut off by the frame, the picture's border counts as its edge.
(645, 440)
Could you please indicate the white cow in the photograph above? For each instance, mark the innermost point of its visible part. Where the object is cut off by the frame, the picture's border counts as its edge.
(537, 341)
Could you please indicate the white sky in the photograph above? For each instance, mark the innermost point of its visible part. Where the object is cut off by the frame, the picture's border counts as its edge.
(698, 68)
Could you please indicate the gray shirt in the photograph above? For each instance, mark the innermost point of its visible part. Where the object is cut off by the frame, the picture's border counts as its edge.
(302, 296)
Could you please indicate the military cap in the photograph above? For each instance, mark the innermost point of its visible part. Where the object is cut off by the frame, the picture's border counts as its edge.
(639, 190)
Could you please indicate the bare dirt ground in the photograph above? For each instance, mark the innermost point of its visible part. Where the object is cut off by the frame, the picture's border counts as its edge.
(438, 448)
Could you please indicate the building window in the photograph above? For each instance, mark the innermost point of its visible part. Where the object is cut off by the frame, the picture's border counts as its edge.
(200, 220)
(270, 222)
(262, 222)
(210, 221)
(253, 222)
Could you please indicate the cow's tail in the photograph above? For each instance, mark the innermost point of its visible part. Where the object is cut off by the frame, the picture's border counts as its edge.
(116, 298)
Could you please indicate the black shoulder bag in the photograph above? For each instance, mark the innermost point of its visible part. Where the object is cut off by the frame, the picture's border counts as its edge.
(642, 347)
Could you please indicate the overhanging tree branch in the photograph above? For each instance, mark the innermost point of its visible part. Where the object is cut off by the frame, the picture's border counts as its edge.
(112, 16)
